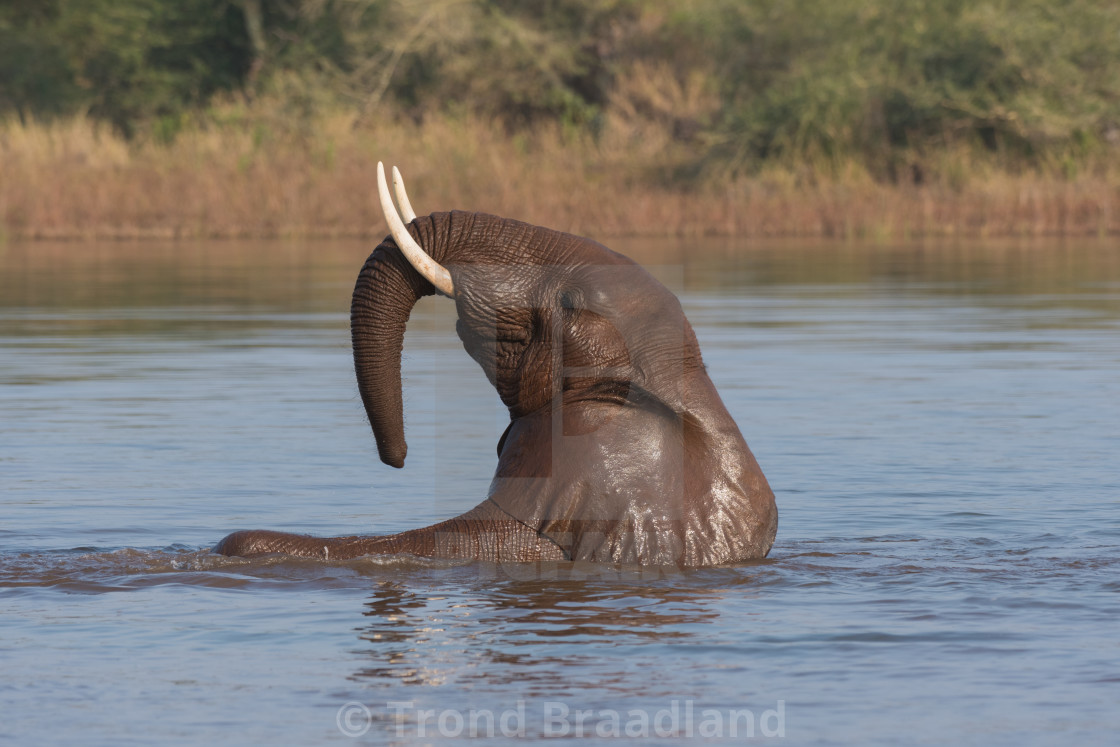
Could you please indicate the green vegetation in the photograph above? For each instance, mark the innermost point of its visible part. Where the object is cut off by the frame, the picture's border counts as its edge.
(807, 117)
(892, 84)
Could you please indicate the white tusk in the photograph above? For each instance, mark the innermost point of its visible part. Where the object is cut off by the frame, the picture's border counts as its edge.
(433, 271)
(402, 197)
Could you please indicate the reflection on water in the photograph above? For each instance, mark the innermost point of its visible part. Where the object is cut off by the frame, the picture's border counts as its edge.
(172, 280)
(938, 424)
(501, 627)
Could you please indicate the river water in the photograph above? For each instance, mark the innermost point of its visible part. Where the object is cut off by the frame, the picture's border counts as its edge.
(939, 423)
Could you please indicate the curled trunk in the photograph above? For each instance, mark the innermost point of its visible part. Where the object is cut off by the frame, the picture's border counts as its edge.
(384, 295)
(387, 289)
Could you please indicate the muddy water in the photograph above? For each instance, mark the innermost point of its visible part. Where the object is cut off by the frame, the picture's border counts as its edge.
(939, 425)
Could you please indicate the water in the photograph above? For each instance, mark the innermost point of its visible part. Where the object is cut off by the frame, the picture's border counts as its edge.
(939, 426)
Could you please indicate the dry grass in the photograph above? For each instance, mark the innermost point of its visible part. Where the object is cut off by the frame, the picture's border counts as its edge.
(261, 177)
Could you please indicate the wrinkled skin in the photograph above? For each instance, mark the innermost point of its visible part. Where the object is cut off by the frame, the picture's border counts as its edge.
(619, 448)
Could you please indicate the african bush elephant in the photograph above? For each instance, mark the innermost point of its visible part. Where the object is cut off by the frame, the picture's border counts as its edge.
(618, 449)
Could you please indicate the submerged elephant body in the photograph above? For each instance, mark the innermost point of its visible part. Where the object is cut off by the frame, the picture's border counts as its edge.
(619, 448)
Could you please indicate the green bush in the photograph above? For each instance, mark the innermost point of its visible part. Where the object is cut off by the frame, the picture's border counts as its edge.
(889, 84)
(129, 62)
(846, 79)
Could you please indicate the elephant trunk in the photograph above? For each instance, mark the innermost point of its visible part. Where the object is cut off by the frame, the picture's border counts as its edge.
(386, 290)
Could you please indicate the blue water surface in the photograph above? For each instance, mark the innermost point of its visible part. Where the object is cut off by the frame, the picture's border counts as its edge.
(939, 424)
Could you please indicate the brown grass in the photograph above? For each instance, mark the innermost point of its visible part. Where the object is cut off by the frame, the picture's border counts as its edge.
(235, 176)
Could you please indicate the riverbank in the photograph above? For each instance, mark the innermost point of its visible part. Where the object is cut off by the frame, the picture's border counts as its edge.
(269, 178)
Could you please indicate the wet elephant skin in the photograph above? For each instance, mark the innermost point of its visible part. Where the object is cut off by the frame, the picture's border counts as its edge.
(619, 449)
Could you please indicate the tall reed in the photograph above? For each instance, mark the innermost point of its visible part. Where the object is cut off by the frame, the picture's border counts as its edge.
(230, 175)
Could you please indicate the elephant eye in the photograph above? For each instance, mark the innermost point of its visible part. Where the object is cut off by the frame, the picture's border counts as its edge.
(571, 299)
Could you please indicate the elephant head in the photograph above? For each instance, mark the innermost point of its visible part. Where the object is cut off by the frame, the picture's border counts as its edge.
(619, 447)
